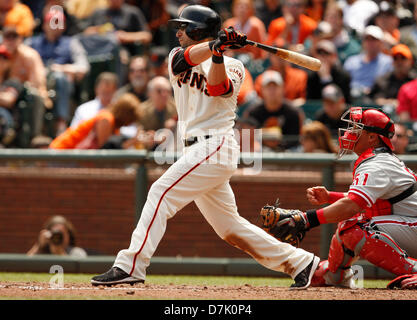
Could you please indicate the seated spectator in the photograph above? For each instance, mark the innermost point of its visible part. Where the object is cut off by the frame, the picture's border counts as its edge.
(159, 111)
(66, 60)
(126, 22)
(272, 111)
(331, 71)
(138, 77)
(14, 13)
(105, 88)
(365, 67)
(158, 114)
(357, 14)
(388, 21)
(25, 64)
(295, 79)
(58, 236)
(94, 133)
(407, 101)
(408, 33)
(334, 106)
(244, 20)
(268, 10)
(401, 138)
(25, 68)
(294, 26)
(315, 137)
(346, 44)
(386, 87)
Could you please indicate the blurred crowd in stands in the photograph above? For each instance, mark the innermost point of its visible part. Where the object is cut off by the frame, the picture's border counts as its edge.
(71, 67)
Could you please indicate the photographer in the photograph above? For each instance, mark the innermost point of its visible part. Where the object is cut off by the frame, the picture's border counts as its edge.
(57, 237)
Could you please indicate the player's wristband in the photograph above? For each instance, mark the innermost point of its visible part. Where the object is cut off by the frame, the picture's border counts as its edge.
(217, 59)
(334, 196)
(315, 217)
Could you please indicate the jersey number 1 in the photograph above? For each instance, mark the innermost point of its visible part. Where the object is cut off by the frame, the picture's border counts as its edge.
(360, 179)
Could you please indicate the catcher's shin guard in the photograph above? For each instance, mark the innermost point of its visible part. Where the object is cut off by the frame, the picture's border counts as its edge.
(352, 241)
(344, 250)
(381, 250)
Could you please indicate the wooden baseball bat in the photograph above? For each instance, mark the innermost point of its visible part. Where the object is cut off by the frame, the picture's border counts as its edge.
(290, 56)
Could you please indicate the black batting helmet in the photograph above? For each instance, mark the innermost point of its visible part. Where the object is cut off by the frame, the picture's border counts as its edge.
(198, 21)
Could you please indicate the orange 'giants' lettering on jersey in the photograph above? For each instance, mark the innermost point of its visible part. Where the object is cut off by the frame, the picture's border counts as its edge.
(238, 72)
(194, 79)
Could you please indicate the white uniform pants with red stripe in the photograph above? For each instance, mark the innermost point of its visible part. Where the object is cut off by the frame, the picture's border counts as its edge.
(202, 175)
(402, 229)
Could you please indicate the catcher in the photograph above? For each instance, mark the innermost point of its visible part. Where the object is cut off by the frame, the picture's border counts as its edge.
(377, 217)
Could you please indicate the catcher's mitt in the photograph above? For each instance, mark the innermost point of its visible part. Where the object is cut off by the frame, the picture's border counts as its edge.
(286, 225)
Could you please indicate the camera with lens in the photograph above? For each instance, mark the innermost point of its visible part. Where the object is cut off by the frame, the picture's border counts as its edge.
(57, 237)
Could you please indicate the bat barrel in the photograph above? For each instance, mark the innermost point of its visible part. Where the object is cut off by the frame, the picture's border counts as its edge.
(290, 56)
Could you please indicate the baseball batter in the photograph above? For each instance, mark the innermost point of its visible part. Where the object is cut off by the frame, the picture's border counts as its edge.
(377, 216)
(206, 85)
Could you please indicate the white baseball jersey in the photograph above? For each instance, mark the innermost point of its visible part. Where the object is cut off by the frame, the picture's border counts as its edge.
(198, 113)
(384, 176)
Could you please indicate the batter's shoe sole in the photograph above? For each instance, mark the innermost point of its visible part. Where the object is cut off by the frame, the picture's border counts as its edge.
(303, 279)
(113, 277)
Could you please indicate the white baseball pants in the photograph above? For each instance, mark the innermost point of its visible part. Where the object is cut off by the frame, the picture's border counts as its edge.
(202, 175)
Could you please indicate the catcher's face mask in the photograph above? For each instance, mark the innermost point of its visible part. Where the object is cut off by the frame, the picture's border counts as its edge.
(349, 136)
(359, 119)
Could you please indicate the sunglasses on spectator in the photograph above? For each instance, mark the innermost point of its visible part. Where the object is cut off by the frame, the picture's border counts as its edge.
(323, 52)
(399, 57)
(137, 70)
(11, 35)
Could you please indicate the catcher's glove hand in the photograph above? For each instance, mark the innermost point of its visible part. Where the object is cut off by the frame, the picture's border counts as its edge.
(286, 225)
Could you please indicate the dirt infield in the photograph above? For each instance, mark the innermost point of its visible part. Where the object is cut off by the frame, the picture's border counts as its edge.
(37, 290)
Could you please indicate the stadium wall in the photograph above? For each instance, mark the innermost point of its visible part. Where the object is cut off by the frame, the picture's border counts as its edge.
(101, 205)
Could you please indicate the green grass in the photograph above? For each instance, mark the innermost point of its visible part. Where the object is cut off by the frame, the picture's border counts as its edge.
(173, 280)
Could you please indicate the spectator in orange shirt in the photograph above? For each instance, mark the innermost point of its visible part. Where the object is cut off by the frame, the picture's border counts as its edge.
(14, 13)
(294, 26)
(94, 133)
(245, 21)
(295, 79)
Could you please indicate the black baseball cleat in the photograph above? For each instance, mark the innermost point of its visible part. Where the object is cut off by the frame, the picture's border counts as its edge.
(114, 276)
(303, 279)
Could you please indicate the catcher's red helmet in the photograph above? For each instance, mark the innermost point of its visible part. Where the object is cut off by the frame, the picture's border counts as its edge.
(370, 119)
(198, 21)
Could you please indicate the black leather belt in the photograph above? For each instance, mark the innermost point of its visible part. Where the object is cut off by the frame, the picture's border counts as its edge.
(191, 140)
